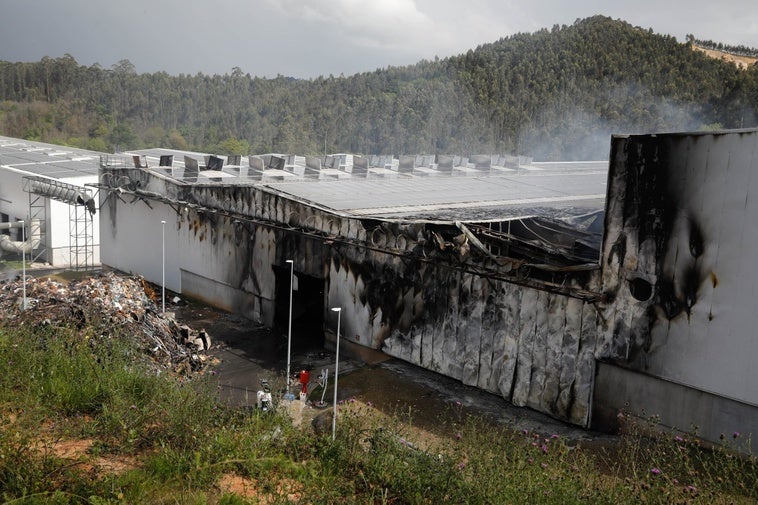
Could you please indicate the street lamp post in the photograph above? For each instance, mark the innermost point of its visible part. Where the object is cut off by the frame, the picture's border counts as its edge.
(289, 331)
(338, 310)
(23, 262)
(163, 266)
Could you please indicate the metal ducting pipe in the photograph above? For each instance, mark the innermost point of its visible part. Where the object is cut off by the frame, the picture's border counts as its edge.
(67, 194)
(14, 224)
(18, 247)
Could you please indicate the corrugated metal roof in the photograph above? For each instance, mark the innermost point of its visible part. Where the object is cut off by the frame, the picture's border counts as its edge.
(57, 162)
(547, 188)
(497, 194)
(465, 194)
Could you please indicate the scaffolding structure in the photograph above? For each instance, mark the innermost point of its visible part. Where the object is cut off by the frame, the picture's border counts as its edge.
(37, 225)
(81, 209)
(81, 242)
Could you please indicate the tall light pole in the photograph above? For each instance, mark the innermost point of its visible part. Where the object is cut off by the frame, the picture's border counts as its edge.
(289, 331)
(23, 262)
(163, 266)
(338, 310)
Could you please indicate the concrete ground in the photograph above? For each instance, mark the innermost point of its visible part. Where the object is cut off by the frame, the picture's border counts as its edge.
(246, 354)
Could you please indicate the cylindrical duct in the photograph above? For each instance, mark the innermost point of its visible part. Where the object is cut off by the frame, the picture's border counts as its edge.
(67, 194)
(18, 247)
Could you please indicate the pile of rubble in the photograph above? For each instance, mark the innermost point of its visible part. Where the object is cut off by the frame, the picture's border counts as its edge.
(112, 306)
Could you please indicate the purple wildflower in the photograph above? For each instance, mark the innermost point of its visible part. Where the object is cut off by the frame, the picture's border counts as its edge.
(544, 448)
(735, 434)
(458, 436)
(655, 471)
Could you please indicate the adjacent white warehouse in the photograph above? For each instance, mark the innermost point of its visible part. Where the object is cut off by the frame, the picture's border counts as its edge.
(46, 187)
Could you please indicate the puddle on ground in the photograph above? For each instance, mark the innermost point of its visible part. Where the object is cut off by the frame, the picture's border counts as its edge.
(385, 390)
(248, 353)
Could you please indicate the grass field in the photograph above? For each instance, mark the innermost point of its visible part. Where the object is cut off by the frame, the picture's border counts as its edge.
(84, 420)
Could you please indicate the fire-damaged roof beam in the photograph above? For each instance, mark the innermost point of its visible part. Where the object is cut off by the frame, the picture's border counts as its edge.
(554, 247)
(474, 241)
(532, 248)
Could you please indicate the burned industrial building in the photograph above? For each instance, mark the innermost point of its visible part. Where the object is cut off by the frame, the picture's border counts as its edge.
(575, 289)
(486, 274)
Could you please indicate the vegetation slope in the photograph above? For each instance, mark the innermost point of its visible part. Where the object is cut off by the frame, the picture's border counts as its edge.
(556, 94)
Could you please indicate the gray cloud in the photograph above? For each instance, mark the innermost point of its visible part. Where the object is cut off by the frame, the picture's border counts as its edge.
(320, 37)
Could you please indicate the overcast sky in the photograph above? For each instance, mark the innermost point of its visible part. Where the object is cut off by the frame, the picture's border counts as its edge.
(308, 38)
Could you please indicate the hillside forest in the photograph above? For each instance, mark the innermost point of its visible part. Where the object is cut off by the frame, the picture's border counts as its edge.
(555, 94)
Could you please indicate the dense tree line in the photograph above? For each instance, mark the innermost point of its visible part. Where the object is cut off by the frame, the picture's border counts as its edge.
(740, 50)
(553, 94)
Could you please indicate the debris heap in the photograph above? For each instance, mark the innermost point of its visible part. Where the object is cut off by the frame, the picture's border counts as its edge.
(111, 306)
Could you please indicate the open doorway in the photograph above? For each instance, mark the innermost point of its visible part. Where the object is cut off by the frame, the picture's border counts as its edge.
(307, 309)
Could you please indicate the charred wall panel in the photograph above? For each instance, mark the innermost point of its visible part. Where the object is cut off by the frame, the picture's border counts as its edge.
(526, 346)
(678, 257)
(491, 345)
(554, 354)
(580, 409)
(509, 335)
(569, 349)
(470, 327)
(539, 350)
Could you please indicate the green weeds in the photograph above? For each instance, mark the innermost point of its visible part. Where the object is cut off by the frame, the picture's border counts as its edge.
(176, 442)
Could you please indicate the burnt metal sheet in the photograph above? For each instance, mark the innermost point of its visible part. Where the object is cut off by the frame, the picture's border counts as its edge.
(678, 259)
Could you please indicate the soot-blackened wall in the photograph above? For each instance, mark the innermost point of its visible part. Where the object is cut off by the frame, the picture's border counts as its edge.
(679, 280)
(532, 346)
(415, 290)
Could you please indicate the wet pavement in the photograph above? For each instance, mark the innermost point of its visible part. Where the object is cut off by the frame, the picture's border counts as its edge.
(245, 353)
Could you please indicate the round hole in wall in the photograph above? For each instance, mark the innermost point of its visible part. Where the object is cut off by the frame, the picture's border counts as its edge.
(641, 289)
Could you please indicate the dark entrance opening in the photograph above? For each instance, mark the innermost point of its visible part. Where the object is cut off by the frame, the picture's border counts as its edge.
(307, 309)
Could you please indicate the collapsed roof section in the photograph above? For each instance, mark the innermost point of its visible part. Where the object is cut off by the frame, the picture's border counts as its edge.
(545, 243)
